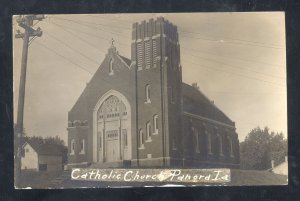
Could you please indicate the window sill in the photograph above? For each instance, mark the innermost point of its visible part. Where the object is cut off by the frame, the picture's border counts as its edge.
(142, 147)
(147, 102)
(82, 153)
(71, 154)
(111, 73)
(156, 133)
(148, 140)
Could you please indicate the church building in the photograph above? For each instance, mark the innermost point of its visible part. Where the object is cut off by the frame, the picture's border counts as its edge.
(138, 113)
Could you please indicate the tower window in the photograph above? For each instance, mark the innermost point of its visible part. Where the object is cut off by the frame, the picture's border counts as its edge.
(82, 150)
(154, 49)
(139, 56)
(147, 53)
(147, 94)
(111, 70)
(148, 130)
(155, 123)
(72, 147)
(141, 139)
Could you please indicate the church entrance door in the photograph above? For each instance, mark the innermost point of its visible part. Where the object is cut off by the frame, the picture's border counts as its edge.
(112, 128)
(112, 146)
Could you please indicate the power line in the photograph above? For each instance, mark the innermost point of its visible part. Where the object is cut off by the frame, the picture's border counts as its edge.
(55, 38)
(235, 58)
(221, 41)
(93, 27)
(243, 59)
(62, 56)
(105, 17)
(241, 74)
(237, 67)
(248, 42)
(90, 34)
(209, 37)
(80, 38)
(234, 73)
(77, 65)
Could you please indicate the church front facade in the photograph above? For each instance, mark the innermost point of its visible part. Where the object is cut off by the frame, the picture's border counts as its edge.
(138, 113)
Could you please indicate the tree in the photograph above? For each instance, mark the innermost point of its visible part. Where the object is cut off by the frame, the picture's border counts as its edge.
(260, 147)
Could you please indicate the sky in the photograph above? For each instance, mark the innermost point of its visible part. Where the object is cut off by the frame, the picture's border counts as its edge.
(237, 59)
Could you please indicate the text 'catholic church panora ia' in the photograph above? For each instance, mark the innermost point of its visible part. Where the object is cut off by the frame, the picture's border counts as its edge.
(138, 113)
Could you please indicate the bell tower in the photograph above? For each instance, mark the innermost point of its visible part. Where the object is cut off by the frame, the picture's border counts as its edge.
(155, 56)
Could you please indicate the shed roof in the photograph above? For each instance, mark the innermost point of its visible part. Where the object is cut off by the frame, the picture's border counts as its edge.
(45, 149)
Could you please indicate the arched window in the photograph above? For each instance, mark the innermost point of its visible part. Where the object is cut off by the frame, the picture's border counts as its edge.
(141, 139)
(196, 143)
(72, 147)
(148, 131)
(82, 147)
(155, 123)
(111, 70)
(208, 142)
(147, 93)
(230, 146)
(220, 142)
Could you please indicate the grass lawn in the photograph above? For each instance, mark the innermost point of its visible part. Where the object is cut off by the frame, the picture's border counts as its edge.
(255, 177)
(35, 179)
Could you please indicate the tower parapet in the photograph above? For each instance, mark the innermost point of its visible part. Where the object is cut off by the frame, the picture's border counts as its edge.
(150, 42)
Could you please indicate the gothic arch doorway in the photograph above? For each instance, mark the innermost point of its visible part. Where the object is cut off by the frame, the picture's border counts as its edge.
(112, 128)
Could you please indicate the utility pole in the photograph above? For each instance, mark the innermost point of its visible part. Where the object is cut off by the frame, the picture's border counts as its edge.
(26, 22)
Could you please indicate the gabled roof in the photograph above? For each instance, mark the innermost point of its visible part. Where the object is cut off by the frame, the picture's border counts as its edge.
(195, 102)
(45, 149)
(81, 102)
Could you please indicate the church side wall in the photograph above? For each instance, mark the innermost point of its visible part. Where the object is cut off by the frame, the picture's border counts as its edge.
(203, 156)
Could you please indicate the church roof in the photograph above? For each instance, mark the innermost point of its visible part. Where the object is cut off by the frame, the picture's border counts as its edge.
(195, 102)
(127, 61)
